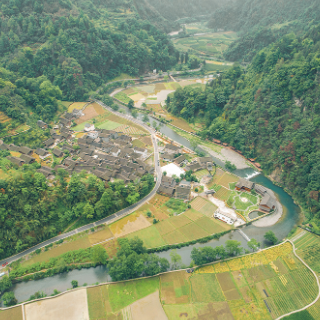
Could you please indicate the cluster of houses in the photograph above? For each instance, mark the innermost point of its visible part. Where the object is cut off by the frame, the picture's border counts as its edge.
(105, 153)
(268, 201)
(170, 188)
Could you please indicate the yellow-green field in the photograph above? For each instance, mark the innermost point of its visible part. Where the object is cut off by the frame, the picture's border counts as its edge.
(192, 224)
(263, 286)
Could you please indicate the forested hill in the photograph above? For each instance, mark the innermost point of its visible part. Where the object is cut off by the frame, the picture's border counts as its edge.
(263, 22)
(271, 113)
(75, 46)
(164, 13)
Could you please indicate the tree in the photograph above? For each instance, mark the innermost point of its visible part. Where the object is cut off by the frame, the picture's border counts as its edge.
(134, 113)
(271, 237)
(166, 78)
(99, 255)
(74, 283)
(88, 211)
(131, 104)
(230, 166)
(233, 247)
(164, 173)
(175, 259)
(5, 283)
(149, 214)
(186, 59)
(145, 118)
(9, 299)
(253, 244)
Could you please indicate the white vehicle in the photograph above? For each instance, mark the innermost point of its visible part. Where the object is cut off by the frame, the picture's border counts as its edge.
(2, 274)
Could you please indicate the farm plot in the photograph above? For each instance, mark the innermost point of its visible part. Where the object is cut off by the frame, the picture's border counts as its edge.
(201, 173)
(257, 287)
(76, 105)
(11, 314)
(109, 125)
(175, 288)
(100, 236)
(227, 178)
(72, 306)
(198, 203)
(222, 194)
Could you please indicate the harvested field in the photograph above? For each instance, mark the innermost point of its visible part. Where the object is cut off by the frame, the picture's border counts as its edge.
(129, 224)
(147, 306)
(239, 278)
(129, 129)
(146, 140)
(100, 236)
(155, 107)
(175, 287)
(15, 154)
(4, 118)
(11, 314)
(72, 306)
(205, 288)
(181, 123)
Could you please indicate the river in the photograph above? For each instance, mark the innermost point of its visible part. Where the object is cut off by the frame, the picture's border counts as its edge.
(290, 218)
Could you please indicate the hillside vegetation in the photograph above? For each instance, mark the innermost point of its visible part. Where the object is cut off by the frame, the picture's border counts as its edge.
(271, 112)
(63, 49)
(262, 22)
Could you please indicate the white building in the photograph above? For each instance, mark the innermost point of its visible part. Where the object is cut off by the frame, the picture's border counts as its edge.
(224, 216)
(89, 127)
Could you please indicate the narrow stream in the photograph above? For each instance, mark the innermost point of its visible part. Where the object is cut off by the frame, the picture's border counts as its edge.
(290, 218)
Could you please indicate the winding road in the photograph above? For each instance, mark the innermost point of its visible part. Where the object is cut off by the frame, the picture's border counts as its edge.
(116, 216)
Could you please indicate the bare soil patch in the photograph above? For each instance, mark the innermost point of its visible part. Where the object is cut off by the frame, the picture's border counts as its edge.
(148, 308)
(71, 306)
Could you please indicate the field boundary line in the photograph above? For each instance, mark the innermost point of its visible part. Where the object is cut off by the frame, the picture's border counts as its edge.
(317, 279)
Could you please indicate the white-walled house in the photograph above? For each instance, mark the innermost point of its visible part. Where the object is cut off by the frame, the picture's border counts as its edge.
(89, 127)
(224, 216)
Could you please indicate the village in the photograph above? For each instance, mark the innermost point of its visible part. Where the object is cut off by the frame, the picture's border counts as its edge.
(113, 155)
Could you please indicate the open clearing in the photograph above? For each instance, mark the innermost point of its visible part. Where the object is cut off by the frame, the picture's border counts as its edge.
(11, 314)
(72, 306)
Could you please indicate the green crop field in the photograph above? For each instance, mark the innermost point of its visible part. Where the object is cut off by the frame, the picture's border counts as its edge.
(308, 248)
(109, 125)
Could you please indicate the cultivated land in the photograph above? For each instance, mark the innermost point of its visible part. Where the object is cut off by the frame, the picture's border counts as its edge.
(263, 285)
(71, 306)
(192, 224)
(11, 314)
(203, 41)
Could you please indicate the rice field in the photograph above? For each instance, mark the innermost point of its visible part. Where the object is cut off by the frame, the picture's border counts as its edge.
(223, 194)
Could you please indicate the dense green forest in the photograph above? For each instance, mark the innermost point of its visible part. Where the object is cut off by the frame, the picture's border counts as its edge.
(65, 50)
(166, 13)
(270, 112)
(32, 211)
(260, 23)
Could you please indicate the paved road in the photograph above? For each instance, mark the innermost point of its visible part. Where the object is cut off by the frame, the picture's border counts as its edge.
(118, 215)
